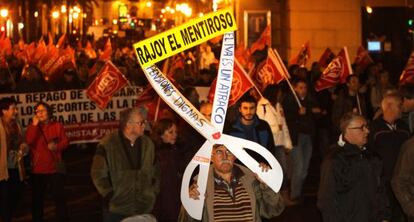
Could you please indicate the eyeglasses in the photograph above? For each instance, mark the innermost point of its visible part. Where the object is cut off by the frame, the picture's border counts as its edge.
(139, 123)
(40, 111)
(365, 126)
(220, 153)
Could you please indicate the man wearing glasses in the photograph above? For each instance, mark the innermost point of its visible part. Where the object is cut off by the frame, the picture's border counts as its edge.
(234, 193)
(124, 170)
(351, 186)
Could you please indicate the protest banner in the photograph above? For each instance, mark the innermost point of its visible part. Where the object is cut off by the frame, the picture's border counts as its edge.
(211, 131)
(188, 35)
(84, 122)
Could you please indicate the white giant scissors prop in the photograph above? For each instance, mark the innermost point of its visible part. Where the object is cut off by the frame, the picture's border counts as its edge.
(213, 131)
(164, 45)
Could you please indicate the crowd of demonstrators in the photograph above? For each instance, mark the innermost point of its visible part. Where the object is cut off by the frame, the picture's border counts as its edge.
(196, 66)
(138, 174)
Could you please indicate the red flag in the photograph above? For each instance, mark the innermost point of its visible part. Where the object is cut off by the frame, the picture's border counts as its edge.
(154, 105)
(41, 50)
(270, 71)
(50, 37)
(407, 75)
(65, 61)
(48, 59)
(240, 85)
(107, 52)
(61, 41)
(326, 58)
(5, 50)
(90, 51)
(105, 85)
(336, 72)
(263, 41)
(363, 59)
(303, 56)
(243, 55)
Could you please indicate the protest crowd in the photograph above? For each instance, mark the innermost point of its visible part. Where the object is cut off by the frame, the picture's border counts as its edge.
(352, 114)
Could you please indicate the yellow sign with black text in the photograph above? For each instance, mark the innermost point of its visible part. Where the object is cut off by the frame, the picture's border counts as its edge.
(183, 37)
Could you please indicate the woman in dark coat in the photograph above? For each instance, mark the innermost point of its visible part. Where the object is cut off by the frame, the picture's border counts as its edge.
(164, 135)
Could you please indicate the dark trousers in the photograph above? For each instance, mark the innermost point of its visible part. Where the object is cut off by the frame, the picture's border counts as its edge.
(48, 183)
(11, 191)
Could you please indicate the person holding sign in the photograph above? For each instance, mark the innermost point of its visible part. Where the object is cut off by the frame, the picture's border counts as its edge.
(234, 193)
(47, 140)
(123, 169)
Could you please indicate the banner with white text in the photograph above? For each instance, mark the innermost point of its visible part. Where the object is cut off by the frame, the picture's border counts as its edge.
(84, 122)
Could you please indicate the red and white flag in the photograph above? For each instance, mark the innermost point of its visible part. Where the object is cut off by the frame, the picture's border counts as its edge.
(270, 71)
(105, 85)
(303, 55)
(407, 76)
(336, 72)
(263, 41)
(242, 55)
(107, 51)
(241, 83)
(363, 59)
(326, 58)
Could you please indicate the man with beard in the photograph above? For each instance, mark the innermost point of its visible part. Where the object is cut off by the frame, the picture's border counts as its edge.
(248, 126)
(234, 193)
(351, 186)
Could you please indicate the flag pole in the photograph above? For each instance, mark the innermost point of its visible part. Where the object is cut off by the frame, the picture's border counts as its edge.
(157, 108)
(286, 77)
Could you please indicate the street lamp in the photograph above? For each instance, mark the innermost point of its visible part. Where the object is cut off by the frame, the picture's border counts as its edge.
(4, 13)
(55, 14)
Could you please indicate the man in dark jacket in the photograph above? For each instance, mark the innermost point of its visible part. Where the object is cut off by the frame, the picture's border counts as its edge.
(349, 100)
(351, 186)
(248, 126)
(387, 134)
(301, 124)
(123, 169)
(403, 179)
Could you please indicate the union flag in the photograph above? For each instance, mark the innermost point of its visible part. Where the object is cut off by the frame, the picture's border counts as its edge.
(407, 76)
(263, 41)
(336, 72)
(270, 71)
(241, 83)
(105, 85)
(303, 55)
(326, 58)
(363, 59)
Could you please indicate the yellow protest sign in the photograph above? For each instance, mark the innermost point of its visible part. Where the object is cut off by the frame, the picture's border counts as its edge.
(183, 37)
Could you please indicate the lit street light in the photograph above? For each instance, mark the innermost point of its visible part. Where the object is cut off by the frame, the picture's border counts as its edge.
(55, 14)
(4, 13)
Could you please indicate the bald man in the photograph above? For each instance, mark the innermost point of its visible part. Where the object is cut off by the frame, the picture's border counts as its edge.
(387, 134)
